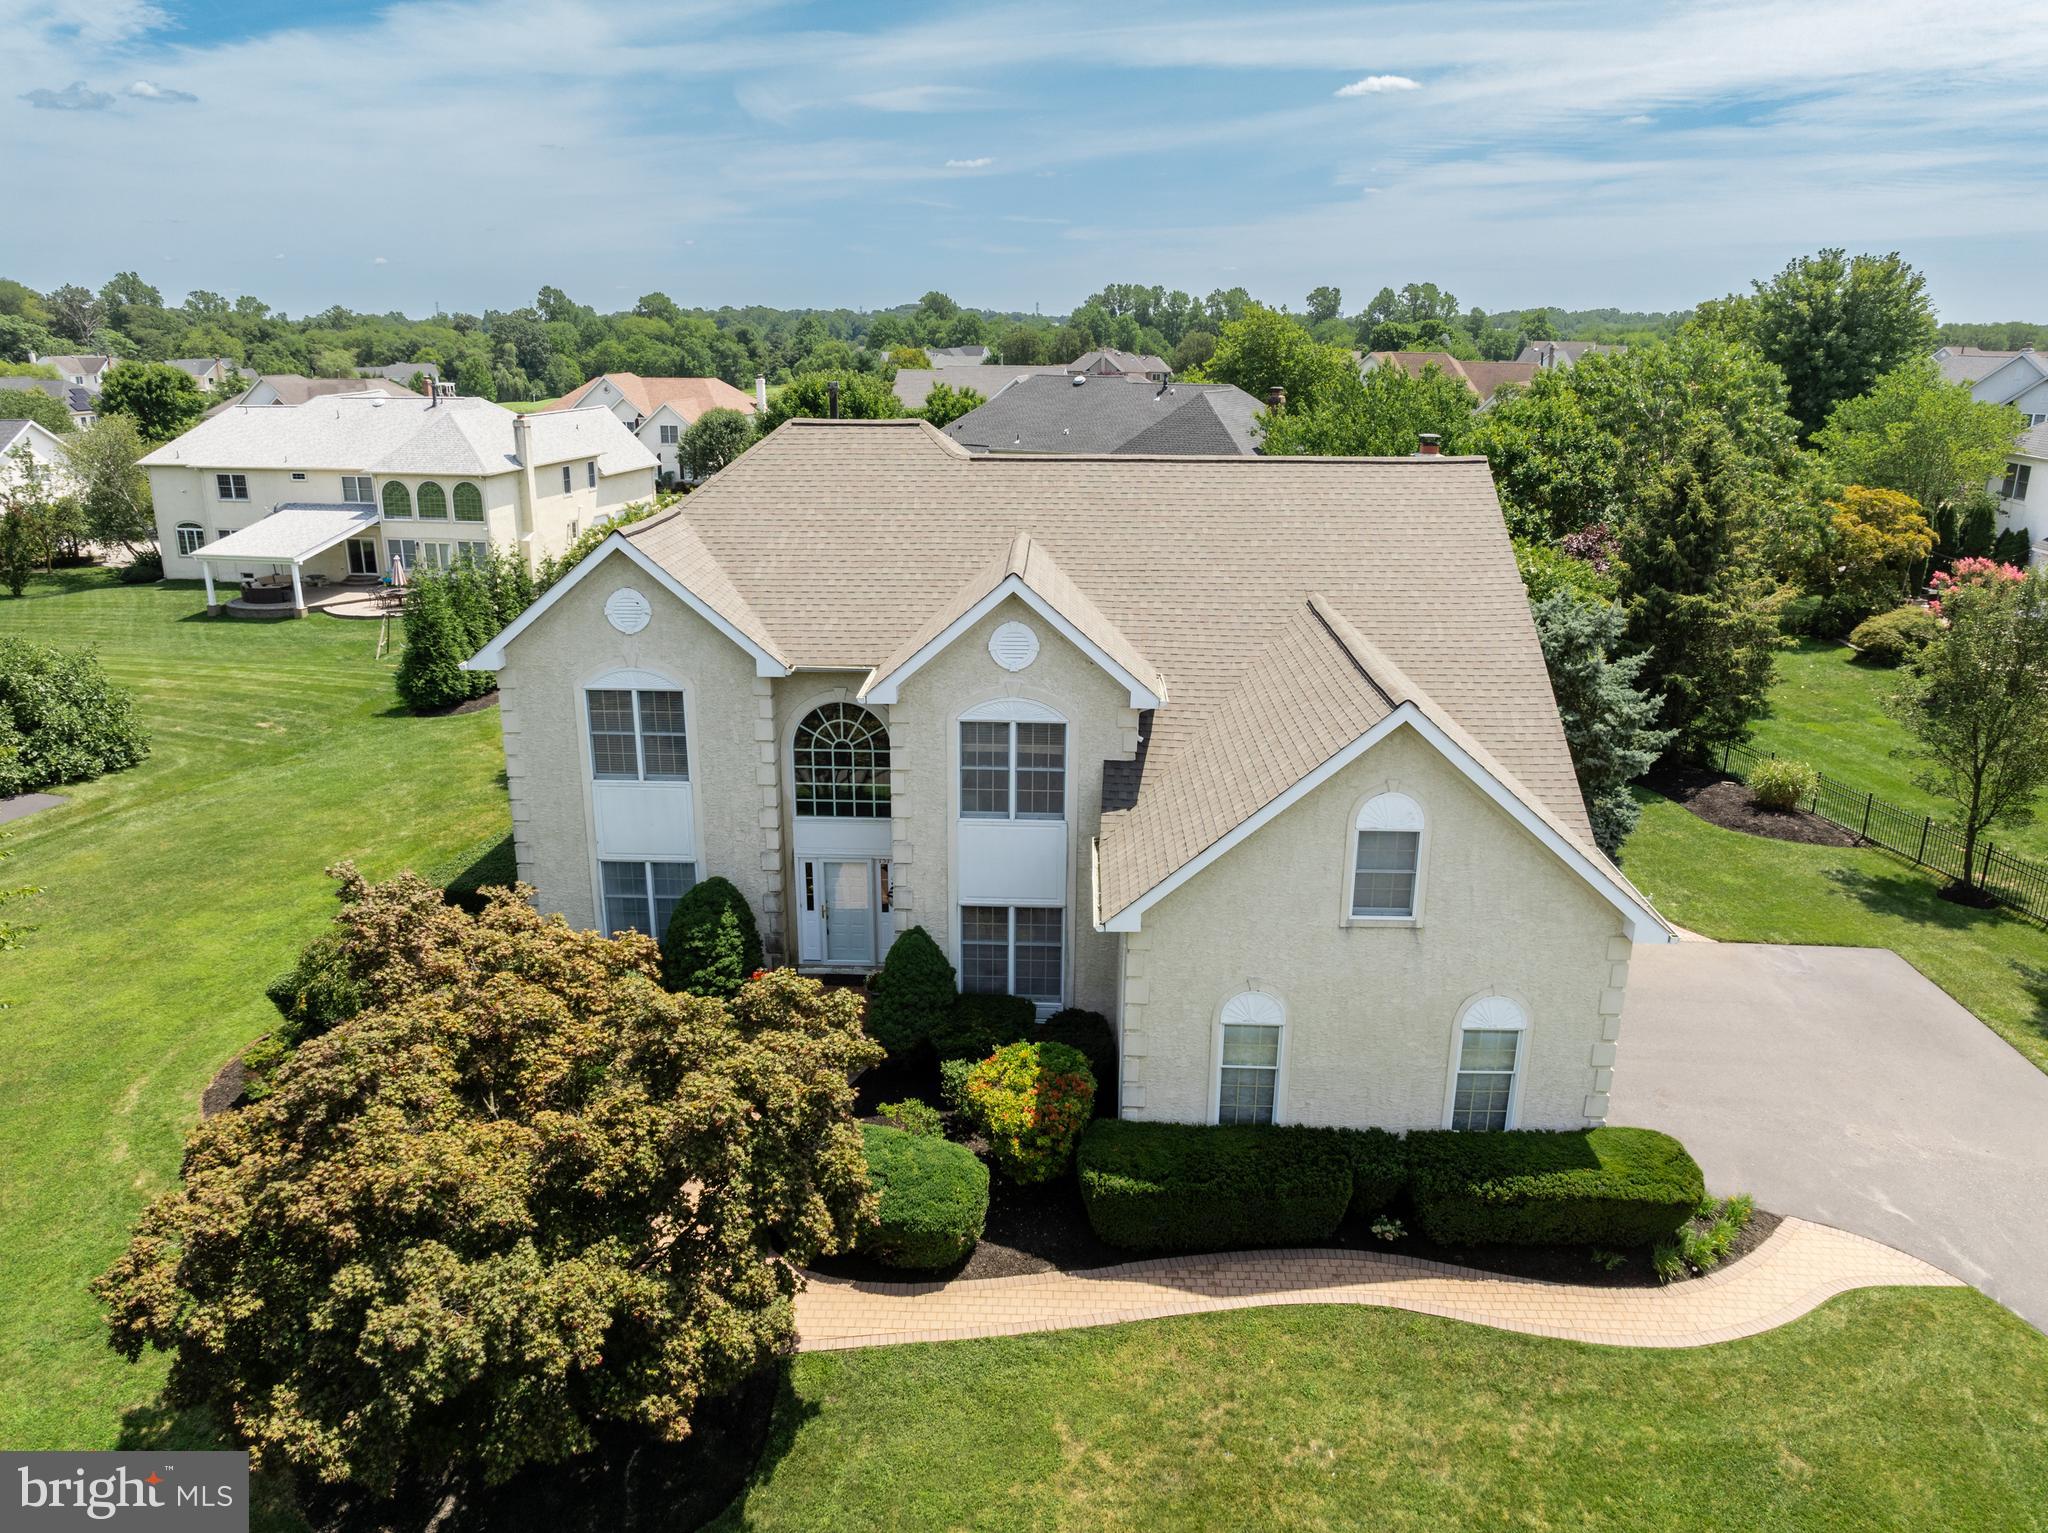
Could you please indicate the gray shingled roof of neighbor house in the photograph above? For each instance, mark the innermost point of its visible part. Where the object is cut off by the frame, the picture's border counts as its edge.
(1267, 594)
(1110, 414)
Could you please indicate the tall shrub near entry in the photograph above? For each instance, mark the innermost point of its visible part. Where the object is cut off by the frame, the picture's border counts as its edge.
(430, 673)
(1032, 1100)
(711, 945)
(913, 995)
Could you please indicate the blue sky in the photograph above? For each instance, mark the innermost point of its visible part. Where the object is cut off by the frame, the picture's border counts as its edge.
(457, 153)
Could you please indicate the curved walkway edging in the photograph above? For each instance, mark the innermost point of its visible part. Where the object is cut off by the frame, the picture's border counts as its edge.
(1801, 1266)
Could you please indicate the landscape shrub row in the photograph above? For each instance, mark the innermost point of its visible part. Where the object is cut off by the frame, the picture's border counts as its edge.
(1185, 1187)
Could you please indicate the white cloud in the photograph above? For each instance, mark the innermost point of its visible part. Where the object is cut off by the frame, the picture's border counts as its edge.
(380, 261)
(75, 97)
(144, 90)
(1374, 85)
(1637, 120)
(920, 98)
(974, 164)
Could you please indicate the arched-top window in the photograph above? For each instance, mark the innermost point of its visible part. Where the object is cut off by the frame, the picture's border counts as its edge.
(1386, 858)
(1486, 1064)
(469, 503)
(433, 501)
(397, 502)
(190, 537)
(842, 764)
(1249, 1039)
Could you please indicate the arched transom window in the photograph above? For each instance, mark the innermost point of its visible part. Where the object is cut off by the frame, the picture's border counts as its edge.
(433, 501)
(1386, 858)
(1487, 1066)
(397, 499)
(842, 764)
(469, 503)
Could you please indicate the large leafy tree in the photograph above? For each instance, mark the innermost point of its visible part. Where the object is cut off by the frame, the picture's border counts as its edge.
(1324, 303)
(1875, 539)
(522, 1198)
(1609, 723)
(1834, 324)
(946, 403)
(1555, 466)
(46, 410)
(1919, 434)
(1267, 349)
(162, 400)
(1381, 414)
(1693, 598)
(713, 440)
(1976, 703)
(112, 491)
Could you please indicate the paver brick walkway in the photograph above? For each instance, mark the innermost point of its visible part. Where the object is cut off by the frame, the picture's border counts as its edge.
(1799, 1267)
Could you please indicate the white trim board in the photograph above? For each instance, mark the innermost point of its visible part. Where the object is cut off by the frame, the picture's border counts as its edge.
(1644, 924)
(885, 689)
(492, 656)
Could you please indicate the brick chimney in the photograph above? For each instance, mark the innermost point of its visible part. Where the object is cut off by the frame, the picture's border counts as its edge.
(1428, 445)
(1276, 399)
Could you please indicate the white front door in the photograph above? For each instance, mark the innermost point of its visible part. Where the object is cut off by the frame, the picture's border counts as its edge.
(838, 922)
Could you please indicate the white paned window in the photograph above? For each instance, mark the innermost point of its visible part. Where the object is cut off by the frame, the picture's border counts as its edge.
(191, 537)
(231, 486)
(670, 435)
(1488, 1064)
(568, 484)
(2016, 477)
(641, 896)
(590, 469)
(841, 764)
(1248, 1059)
(637, 736)
(1386, 858)
(355, 490)
(1013, 770)
(1013, 950)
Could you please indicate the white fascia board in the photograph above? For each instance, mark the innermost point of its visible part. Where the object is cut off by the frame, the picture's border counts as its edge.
(1644, 924)
(886, 689)
(492, 656)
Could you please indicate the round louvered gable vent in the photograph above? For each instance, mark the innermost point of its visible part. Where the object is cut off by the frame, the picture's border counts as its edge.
(1013, 646)
(627, 610)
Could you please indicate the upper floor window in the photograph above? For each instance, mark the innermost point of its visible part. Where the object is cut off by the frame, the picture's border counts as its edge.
(191, 536)
(433, 501)
(1486, 1066)
(1013, 769)
(590, 470)
(355, 490)
(637, 736)
(842, 764)
(2016, 477)
(231, 486)
(397, 500)
(670, 435)
(1386, 858)
(567, 483)
(469, 503)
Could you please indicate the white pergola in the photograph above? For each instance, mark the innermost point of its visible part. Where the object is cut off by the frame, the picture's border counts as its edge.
(291, 535)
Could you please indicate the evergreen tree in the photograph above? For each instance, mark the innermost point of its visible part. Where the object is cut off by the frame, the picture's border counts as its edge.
(1608, 721)
(711, 945)
(913, 994)
(430, 673)
(1693, 600)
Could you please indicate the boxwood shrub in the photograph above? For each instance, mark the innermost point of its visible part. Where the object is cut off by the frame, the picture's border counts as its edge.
(1199, 1187)
(1379, 1168)
(1612, 1187)
(933, 1199)
(978, 1025)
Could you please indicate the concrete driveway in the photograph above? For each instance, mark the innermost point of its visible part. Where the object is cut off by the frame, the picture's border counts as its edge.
(1841, 1085)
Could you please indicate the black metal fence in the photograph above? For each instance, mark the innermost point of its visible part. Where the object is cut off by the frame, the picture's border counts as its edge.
(2015, 882)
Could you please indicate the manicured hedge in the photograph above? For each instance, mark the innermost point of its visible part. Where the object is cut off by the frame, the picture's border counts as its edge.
(1379, 1168)
(1090, 1032)
(1611, 1187)
(978, 1025)
(1198, 1187)
(933, 1198)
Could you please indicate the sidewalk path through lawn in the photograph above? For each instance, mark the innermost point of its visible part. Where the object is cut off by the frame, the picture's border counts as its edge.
(1841, 1084)
(1799, 1267)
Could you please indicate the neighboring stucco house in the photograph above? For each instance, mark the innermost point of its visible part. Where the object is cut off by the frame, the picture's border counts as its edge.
(658, 410)
(363, 484)
(1089, 413)
(2019, 379)
(1484, 379)
(86, 371)
(42, 445)
(296, 389)
(207, 372)
(1257, 756)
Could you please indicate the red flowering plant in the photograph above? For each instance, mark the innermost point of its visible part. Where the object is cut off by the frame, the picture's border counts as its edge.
(1971, 572)
(1032, 1100)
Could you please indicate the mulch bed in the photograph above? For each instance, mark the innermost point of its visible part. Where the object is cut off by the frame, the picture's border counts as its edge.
(1724, 801)
(467, 705)
(224, 1090)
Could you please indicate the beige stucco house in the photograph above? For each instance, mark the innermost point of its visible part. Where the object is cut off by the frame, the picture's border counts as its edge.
(659, 410)
(1256, 756)
(360, 485)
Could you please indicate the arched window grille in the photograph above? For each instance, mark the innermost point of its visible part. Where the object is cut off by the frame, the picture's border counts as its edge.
(842, 764)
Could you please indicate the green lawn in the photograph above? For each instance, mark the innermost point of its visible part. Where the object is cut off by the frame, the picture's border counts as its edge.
(1742, 888)
(1905, 1409)
(172, 894)
(1830, 713)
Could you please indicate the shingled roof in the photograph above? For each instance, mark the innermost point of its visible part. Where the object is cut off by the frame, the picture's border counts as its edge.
(1284, 606)
(1108, 414)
